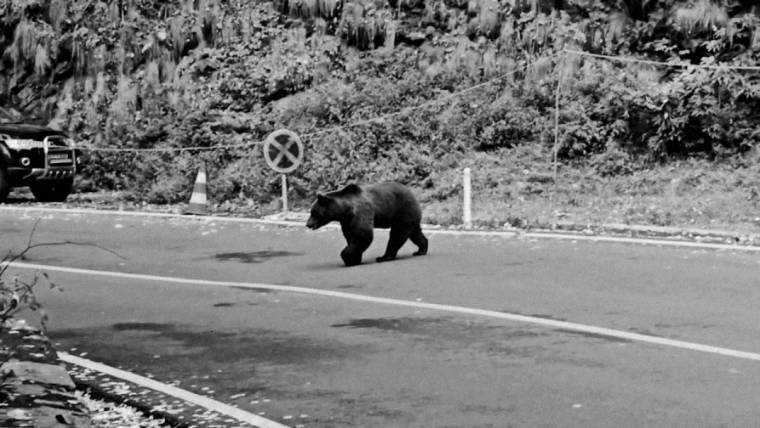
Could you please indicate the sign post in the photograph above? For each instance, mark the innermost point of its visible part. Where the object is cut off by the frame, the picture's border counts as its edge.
(283, 152)
(284, 188)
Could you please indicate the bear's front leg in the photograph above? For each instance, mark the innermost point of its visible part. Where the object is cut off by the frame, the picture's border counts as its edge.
(358, 235)
(351, 255)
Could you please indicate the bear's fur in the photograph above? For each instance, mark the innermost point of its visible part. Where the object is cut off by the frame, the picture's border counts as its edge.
(360, 208)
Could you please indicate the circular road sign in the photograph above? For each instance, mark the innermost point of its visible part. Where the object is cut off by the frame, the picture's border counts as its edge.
(283, 151)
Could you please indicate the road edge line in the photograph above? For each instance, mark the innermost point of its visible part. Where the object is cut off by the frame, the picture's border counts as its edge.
(429, 230)
(546, 322)
(190, 397)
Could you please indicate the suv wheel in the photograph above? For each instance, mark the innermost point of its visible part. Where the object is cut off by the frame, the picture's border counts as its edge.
(5, 187)
(52, 191)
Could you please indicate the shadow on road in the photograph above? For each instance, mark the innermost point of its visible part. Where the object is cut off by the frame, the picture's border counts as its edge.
(254, 256)
(366, 263)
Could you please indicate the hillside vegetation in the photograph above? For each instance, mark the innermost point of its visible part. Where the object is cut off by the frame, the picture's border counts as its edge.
(186, 73)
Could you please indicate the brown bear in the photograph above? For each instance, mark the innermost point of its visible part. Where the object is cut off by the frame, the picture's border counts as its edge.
(360, 208)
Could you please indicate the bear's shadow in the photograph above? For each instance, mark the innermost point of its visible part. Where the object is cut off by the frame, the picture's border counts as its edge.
(254, 256)
(366, 262)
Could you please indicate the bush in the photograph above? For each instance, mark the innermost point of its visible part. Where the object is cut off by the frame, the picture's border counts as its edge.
(611, 163)
(696, 111)
(122, 75)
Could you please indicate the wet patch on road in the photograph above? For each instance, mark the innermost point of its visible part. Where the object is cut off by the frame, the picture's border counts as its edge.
(683, 325)
(644, 332)
(439, 327)
(220, 365)
(484, 409)
(488, 339)
(254, 256)
(570, 360)
(143, 326)
(403, 325)
(232, 304)
(543, 316)
(258, 345)
(347, 286)
(548, 317)
(181, 349)
(594, 335)
(254, 289)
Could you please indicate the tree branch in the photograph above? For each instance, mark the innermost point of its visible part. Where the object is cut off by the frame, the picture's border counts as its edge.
(10, 258)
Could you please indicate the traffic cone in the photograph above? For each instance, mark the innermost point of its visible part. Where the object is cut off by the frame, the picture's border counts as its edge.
(198, 201)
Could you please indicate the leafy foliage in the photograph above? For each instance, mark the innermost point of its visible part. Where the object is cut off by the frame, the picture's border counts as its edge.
(138, 74)
(18, 294)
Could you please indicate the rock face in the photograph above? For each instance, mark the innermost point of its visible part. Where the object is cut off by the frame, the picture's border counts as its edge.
(9, 114)
(35, 387)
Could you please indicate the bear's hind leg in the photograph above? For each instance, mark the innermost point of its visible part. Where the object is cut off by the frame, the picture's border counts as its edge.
(420, 241)
(398, 236)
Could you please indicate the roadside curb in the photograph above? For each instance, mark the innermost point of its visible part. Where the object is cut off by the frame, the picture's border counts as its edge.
(97, 391)
(36, 389)
(602, 229)
(724, 239)
(662, 232)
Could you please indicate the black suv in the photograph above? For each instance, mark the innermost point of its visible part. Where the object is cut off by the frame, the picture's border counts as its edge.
(42, 158)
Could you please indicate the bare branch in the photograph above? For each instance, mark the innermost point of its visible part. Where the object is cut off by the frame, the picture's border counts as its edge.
(22, 294)
(34, 229)
(10, 257)
(55, 244)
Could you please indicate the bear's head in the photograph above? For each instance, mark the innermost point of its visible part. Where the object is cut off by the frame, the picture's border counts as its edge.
(322, 211)
(333, 206)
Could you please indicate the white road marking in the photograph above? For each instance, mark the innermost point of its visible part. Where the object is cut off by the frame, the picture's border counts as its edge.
(428, 230)
(582, 328)
(150, 214)
(182, 394)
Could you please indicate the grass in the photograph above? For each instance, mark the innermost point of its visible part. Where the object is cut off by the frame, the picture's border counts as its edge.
(519, 190)
(516, 188)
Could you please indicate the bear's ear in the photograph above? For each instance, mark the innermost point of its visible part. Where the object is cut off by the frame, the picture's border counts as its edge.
(351, 189)
(322, 198)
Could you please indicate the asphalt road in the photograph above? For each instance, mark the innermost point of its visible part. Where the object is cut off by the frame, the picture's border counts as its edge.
(334, 362)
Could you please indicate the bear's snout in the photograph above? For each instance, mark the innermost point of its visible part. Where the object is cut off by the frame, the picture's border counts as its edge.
(312, 224)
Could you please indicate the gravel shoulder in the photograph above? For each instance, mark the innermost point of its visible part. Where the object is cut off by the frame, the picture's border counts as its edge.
(37, 389)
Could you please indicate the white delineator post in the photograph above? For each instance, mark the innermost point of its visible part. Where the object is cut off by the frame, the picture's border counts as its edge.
(467, 203)
(284, 185)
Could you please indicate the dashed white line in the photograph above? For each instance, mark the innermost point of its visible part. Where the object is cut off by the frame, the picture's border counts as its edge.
(582, 328)
(182, 394)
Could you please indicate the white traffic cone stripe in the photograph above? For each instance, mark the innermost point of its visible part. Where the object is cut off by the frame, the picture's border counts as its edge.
(199, 192)
(198, 199)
